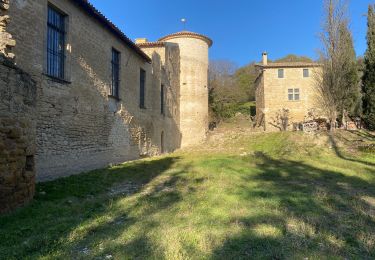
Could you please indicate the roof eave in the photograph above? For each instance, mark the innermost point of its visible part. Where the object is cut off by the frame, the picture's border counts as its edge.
(274, 66)
(91, 10)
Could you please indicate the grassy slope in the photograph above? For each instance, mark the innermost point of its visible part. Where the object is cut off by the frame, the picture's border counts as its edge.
(279, 195)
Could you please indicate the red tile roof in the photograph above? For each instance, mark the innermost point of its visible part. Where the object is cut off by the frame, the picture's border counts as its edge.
(184, 34)
(150, 44)
(289, 65)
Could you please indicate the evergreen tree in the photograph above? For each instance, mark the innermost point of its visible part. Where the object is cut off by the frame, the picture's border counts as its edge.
(338, 83)
(350, 92)
(368, 80)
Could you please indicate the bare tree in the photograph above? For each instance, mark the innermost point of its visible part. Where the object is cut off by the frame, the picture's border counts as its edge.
(220, 73)
(338, 80)
(282, 119)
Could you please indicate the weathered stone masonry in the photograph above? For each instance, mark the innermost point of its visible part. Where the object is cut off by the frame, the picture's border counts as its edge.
(17, 125)
(78, 125)
(272, 92)
(17, 136)
(6, 41)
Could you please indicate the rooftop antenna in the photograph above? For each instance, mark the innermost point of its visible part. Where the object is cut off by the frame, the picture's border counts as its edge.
(183, 20)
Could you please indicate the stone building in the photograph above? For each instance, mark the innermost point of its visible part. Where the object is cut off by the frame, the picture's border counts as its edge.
(285, 86)
(100, 98)
(193, 81)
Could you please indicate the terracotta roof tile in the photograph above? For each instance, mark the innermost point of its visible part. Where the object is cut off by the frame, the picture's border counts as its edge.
(150, 44)
(187, 34)
(289, 65)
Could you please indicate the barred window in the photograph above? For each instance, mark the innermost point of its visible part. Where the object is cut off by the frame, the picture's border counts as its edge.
(280, 73)
(115, 73)
(56, 43)
(293, 94)
(142, 86)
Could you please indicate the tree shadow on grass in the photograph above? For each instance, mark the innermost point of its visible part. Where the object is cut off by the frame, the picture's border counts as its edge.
(341, 155)
(150, 202)
(320, 214)
(364, 134)
(71, 213)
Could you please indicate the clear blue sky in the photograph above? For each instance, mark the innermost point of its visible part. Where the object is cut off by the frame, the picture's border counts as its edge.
(241, 29)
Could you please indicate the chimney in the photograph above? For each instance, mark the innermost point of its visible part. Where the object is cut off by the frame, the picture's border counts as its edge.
(141, 40)
(265, 58)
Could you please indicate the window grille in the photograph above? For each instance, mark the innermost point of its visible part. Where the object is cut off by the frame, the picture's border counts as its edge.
(55, 43)
(115, 73)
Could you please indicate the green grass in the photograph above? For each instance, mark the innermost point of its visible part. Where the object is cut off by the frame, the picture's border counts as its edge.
(267, 196)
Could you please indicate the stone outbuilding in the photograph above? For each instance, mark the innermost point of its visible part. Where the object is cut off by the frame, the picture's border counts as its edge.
(283, 90)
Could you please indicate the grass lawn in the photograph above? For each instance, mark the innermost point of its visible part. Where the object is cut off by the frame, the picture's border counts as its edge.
(241, 196)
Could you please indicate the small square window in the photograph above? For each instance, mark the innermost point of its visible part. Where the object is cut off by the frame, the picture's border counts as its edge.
(281, 73)
(306, 73)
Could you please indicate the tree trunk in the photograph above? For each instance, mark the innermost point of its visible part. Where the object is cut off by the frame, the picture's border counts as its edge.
(343, 119)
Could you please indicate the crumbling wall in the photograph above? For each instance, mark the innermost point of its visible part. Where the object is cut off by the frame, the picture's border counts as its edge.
(17, 125)
(17, 136)
(6, 40)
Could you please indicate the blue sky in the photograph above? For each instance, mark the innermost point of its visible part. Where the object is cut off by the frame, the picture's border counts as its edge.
(241, 29)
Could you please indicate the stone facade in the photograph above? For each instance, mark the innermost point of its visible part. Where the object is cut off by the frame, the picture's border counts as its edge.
(17, 136)
(79, 125)
(272, 92)
(194, 84)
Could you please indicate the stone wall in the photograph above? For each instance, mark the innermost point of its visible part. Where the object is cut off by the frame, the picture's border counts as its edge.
(259, 97)
(17, 136)
(166, 72)
(79, 127)
(272, 95)
(194, 88)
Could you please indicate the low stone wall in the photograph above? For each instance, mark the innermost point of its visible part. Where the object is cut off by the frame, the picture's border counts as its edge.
(17, 136)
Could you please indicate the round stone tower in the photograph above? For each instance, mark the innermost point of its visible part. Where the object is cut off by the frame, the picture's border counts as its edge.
(193, 85)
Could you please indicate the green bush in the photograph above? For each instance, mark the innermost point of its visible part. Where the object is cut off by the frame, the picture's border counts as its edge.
(229, 110)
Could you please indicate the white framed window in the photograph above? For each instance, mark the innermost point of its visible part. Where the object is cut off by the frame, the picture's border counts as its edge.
(293, 94)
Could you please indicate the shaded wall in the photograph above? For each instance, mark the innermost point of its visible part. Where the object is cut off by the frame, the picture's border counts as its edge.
(78, 126)
(17, 136)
